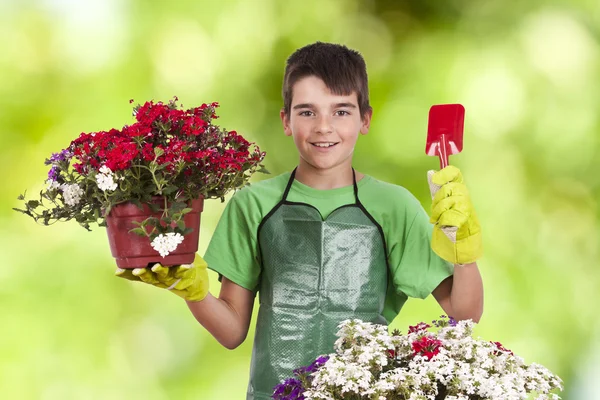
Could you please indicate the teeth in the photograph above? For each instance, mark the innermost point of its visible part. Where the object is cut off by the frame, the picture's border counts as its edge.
(323, 144)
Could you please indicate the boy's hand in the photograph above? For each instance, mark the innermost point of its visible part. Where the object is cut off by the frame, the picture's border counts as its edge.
(456, 234)
(189, 281)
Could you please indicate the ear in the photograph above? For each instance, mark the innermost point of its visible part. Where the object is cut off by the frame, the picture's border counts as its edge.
(366, 121)
(286, 122)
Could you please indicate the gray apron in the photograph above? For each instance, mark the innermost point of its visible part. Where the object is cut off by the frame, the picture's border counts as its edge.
(315, 274)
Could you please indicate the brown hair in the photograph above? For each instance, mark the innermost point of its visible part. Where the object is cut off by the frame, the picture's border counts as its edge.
(343, 70)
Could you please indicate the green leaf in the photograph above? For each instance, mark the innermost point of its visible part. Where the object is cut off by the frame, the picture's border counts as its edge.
(152, 221)
(187, 230)
(263, 170)
(107, 210)
(21, 197)
(181, 225)
(138, 231)
(33, 203)
(170, 189)
(158, 151)
(178, 206)
(137, 203)
(186, 210)
(154, 207)
(23, 211)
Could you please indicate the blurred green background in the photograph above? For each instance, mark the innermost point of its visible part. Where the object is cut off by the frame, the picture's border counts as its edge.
(527, 72)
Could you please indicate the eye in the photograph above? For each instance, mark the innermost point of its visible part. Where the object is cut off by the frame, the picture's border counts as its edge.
(341, 113)
(306, 113)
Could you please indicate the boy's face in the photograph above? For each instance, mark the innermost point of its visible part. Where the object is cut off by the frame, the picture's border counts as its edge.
(324, 126)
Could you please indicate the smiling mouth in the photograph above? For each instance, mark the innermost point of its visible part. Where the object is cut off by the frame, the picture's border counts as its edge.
(324, 145)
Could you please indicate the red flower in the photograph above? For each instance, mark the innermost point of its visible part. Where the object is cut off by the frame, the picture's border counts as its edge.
(426, 346)
(137, 129)
(120, 157)
(421, 326)
(148, 152)
(500, 349)
(194, 125)
(187, 138)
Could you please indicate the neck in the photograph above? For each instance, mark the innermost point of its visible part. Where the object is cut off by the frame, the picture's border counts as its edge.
(321, 179)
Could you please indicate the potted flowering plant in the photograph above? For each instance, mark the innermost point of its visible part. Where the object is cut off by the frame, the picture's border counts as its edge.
(147, 182)
(436, 362)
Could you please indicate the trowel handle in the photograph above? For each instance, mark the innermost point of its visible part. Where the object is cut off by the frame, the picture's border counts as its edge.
(443, 151)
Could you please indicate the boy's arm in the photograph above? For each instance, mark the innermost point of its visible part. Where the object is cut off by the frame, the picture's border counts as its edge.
(232, 253)
(227, 317)
(461, 296)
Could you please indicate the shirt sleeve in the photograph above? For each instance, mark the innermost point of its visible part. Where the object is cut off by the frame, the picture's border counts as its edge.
(419, 270)
(232, 251)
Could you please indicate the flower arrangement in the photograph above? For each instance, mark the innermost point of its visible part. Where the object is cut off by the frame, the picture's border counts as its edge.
(436, 362)
(167, 158)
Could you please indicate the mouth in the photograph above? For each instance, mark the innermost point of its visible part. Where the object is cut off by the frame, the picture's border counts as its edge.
(324, 145)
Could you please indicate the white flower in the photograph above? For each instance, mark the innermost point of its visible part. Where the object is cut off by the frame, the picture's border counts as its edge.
(71, 193)
(105, 179)
(464, 365)
(166, 244)
(52, 184)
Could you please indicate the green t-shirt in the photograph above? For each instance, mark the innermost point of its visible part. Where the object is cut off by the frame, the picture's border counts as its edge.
(415, 270)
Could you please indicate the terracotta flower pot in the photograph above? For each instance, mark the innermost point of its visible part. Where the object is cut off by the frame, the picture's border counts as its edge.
(134, 251)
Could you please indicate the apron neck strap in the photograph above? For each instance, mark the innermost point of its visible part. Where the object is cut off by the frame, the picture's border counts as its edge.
(289, 185)
(293, 175)
(355, 187)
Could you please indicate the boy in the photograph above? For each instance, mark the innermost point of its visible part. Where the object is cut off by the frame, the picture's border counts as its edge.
(325, 243)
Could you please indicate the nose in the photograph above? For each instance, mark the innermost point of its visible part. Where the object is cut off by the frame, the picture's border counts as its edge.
(324, 125)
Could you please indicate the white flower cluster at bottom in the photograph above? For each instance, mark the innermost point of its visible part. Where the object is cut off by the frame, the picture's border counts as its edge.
(370, 363)
(166, 244)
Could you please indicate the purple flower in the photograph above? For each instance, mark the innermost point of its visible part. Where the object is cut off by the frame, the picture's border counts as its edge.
(53, 173)
(318, 363)
(443, 322)
(315, 365)
(64, 155)
(290, 389)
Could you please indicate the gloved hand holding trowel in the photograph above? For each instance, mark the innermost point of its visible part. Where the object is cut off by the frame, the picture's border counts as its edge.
(456, 234)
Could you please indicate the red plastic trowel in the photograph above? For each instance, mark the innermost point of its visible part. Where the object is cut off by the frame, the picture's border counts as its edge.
(445, 131)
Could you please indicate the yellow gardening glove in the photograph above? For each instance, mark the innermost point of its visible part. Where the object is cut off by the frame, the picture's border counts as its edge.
(456, 232)
(189, 281)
